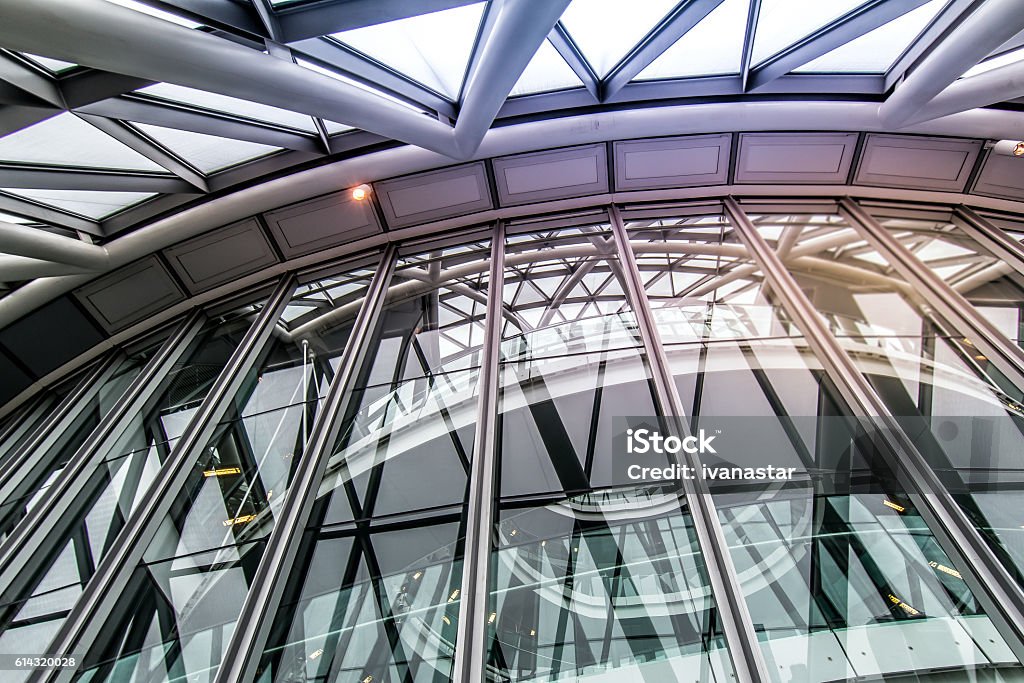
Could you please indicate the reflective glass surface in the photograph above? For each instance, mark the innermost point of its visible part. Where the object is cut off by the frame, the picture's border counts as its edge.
(36, 605)
(218, 523)
(375, 590)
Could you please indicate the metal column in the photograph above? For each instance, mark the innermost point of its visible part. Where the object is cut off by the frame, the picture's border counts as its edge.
(243, 652)
(991, 237)
(471, 645)
(948, 303)
(744, 649)
(100, 594)
(33, 532)
(986, 576)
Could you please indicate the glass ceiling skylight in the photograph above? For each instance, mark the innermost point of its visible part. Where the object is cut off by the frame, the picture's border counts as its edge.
(207, 153)
(89, 203)
(876, 51)
(66, 140)
(783, 22)
(351, 81)
(230, 105)
(605, 30)
(714, 46)
(546, 71)
(432, 49)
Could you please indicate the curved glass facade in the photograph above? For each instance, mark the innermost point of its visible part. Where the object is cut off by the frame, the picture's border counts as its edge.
(405, 467)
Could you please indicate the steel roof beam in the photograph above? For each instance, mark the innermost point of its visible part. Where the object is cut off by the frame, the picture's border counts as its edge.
(299, 23)
(114, 38)
(850, 26)
(44, 214)
(349, 61)
(685, 16)
(753, 14)
(142, 109)
(29, 242)
(28, 79)
(999, 84)
(60, 178)
(573, 56)
(984, 30)
(519, 29)
(126, 135)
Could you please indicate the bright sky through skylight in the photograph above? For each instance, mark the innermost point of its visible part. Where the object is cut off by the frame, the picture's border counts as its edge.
(432, 49)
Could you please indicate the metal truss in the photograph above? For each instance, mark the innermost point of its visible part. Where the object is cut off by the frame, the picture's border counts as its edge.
(363, 95)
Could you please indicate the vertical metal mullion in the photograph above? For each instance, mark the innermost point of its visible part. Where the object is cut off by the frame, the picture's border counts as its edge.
(33, 532)
(471, 643)
(950, 304)
(97, 600)
(991, 237)
(23, 462)
(990, 582)
(744, 649)
(243, 652)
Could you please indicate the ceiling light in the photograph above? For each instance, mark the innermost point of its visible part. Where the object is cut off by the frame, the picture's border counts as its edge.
(361, 192)
(1009, 148)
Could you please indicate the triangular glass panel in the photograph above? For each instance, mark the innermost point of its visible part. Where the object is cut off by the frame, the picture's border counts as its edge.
(66, 140)
(876, 51)
(432, 49)
(713, 47)
(230, 105)
(546, 71)
(606, 30)
(207, 153)
(88, 203)
(780, 23)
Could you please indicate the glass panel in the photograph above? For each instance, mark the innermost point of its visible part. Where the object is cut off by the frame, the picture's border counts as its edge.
(783, 22)
(713, 47)
(49, 464)
(54, 66)
(564, 294)
(390, 506)
(66, 140)
(432, 49)
(962, 413)
(88, 203)
(229, 105)
(589, 578)
(228, 506)
(605, 30)
(158, 13)
(698, 281)
(208, 153)
(23, 422)
(546, 71)
(34, 607)
(876, 51)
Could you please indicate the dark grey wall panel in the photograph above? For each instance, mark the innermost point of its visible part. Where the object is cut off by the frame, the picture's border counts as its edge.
(221, 256)
(426, 197)
(672, 162)
(322, 223)
(543, 176)
(917, 162)
(130, 294)
(816, 158)
(1001, 176)
(50, 336)
(12, 379)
